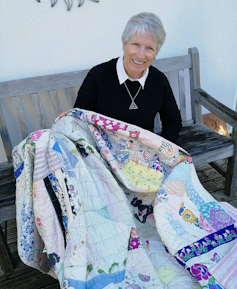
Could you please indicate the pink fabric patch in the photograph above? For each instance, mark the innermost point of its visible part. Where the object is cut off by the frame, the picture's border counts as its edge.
(206, 225)
(110, 124)
(36, 135)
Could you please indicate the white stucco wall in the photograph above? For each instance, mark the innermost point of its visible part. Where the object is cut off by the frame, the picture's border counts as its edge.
(36, 39)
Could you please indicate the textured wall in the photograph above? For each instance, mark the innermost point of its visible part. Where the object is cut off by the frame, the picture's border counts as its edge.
(36, 39)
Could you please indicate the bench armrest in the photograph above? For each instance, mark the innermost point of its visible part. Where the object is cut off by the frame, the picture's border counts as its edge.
(220, 110)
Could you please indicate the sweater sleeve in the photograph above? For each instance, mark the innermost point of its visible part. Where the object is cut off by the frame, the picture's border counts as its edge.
(87, 94)
(170, 116)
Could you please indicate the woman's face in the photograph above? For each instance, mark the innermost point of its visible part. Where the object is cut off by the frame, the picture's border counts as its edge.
(139, 52)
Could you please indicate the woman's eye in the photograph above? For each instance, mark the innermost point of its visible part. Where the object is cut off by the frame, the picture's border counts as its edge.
(135, 44)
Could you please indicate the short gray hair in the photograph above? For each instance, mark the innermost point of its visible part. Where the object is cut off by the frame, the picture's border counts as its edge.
(145, 22)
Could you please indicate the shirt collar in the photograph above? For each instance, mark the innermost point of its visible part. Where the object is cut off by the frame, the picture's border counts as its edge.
(122, 75)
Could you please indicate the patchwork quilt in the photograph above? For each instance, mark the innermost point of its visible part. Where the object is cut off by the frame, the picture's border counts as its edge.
(105, 204)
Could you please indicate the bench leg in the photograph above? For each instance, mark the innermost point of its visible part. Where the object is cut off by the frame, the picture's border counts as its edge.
(6, 260)
(231, 173)
(231, 177)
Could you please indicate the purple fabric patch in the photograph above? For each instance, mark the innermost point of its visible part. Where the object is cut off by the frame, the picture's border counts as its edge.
(220, 219)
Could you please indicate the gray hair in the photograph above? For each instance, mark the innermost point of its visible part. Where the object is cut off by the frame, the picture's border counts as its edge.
(145, 22)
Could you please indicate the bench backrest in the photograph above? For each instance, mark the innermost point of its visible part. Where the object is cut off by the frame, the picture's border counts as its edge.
(27, 105)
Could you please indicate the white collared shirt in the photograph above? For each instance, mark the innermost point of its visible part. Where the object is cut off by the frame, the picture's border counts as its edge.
(122, 75)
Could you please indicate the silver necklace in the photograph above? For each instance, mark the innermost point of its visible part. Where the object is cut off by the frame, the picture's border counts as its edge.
(133, 104)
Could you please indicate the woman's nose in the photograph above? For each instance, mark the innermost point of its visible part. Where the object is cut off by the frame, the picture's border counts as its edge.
(141, 53)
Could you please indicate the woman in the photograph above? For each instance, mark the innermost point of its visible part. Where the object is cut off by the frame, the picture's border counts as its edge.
(129, 88)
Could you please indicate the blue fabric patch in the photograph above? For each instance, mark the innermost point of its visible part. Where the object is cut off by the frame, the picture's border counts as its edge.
(206, 244)
(176, 225)
(162, 196)
(56, 147)
(67, 168)
(215, 286)
(104, 212)
(98, 282)
(72, 159)
(54, 258)
(205, 209)
(19, 170)
(106, 139)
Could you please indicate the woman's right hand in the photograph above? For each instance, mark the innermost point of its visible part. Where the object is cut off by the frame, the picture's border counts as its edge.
(62, 114)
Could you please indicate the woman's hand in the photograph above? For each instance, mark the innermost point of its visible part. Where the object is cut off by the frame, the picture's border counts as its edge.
(62, 114)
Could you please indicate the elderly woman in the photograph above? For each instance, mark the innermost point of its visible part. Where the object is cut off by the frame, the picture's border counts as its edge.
(129, 88)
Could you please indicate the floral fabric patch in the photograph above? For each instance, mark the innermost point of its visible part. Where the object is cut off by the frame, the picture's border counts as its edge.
(207, 244)
(134, 240)
(220, 219)
(201, 273)
(111, 125)
(18, 163)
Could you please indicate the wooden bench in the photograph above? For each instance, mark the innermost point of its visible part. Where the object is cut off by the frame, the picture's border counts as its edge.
(27, 105)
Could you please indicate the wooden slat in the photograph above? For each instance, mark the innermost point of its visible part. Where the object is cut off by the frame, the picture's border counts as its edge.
(5, 135)
(173, 63)
(157, 124)
(194, 76)
(6, 173)
(41, 83)
(53, 95)
(7, 194)
(218, 168)
(16, 102)
(182, 101)
(187, 122)
(47, 110)
(172, 77)
(211, 156)
(72, 94)
(39, 110)
(65, 98)
(217, 108)
(8, 212)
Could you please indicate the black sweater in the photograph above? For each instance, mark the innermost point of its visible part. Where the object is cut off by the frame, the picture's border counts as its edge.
(102, 93)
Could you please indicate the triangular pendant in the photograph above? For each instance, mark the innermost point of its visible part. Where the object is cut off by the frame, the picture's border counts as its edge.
(133, 106)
